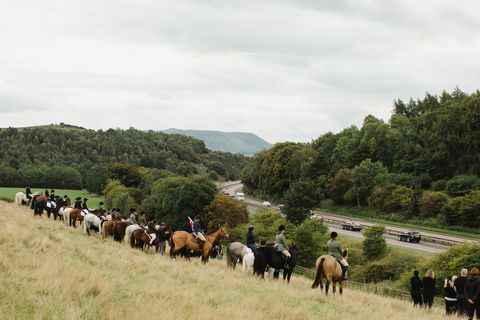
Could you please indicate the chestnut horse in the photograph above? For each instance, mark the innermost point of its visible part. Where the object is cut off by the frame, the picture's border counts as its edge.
(75, 214)
(119, 230)
(183, 239)
(107, 228)
(329, 268)
(140, 239)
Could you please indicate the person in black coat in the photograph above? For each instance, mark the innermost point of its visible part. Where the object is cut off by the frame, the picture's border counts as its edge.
(472, 294)
(28, 192)
(428, 288)
(78, 203)
(459, 285)
(450, 296)
(416, 286)
(250, 239)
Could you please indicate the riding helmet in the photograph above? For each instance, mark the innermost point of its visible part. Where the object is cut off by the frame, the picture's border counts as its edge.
(250, 227)
(281, 228)
(333, 235)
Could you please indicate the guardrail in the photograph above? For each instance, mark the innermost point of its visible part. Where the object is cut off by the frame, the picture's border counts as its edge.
(365, 287)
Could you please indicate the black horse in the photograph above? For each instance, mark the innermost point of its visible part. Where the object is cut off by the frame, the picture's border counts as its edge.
(268, 257)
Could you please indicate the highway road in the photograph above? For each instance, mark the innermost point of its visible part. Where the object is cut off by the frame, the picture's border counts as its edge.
(436, 242)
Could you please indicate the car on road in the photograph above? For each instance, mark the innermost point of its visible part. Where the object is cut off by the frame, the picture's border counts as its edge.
(410, 236)
(240, 196)
(266, 204)
(352, 226)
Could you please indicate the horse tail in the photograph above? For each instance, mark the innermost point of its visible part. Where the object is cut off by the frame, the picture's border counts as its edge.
(319, 273)
(126, 238)
(172, 246)
(16, 200)
(229, 258)
(132, 239)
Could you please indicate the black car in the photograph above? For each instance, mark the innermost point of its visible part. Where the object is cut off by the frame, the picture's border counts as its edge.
(410, 236)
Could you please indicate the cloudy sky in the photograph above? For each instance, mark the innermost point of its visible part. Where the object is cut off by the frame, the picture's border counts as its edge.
(283, 69)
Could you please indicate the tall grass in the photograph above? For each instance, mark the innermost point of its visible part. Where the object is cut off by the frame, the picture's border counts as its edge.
(50, 271)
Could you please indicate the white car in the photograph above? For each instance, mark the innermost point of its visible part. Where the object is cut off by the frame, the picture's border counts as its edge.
(266, 204)
(240, 196)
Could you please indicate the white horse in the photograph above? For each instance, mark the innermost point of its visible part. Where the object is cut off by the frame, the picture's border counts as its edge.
(19, 197)
(247, 262)
(129, 231)
(91, 220)
(66, 215)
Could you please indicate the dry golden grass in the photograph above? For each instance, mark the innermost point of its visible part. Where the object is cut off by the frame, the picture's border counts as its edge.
(50, 271)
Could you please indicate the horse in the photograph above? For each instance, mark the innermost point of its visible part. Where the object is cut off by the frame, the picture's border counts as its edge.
(216, 252)
(73, 215)
(247, 262)
(183, 239)
(329, 268)
(235, 253)
(21, 198)
(119, 230)
(89, 221)
(107, 228)
(38, 204)
(129, 231)
(140, 238)
(268, 257)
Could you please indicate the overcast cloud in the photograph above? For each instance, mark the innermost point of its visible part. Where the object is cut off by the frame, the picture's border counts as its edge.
(283, 69)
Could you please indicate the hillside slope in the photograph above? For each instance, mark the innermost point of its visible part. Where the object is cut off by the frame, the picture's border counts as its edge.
(50, 271)
(235, 142)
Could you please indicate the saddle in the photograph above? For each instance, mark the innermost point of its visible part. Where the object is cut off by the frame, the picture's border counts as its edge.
(194, 239)
(51, 204)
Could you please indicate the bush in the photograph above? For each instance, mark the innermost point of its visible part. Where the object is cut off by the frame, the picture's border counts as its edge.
(461, 185)
(226, 211)
(374, 245)
(391, 198)
(389, 268)
(403, 179)
(451, 211)
(126, 173)
(340, 184)
(118, 196)
(470, 209)
(311, 238)
(96, 178)
(431, 204)
(439, 185)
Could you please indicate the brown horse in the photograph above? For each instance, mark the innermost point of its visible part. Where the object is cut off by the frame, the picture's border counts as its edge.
(119, 230)
(75, 214)
(39, 203)
(140, 239)
(108, 228)
(329, 268)
(183, 239)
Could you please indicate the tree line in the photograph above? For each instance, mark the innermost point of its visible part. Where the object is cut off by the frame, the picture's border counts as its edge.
(65, 156)
(421, 164)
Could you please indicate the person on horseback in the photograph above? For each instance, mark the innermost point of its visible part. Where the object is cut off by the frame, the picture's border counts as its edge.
(335, 250)
(133, 216)
(28, 192)
(85, 206)
(47, 194)
(251, 239)
(281, 244)
(151, 230)
(52, 195)
(78, 203)
(111, 215)
(66, 201)
(197, 230)
(142, 221)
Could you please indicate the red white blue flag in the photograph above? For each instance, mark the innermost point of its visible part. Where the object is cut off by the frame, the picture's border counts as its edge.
(190, 222)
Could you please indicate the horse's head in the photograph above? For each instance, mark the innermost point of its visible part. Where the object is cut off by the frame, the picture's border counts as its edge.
(222, 232)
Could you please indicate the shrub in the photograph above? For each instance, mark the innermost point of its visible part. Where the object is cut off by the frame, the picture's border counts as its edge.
(461, 185)
(391, 198)
(470, 209)
(310, 237)
(439, 185)
(389, 268)
(226, 211)
(431, 204)
(451, 211)
(340, 184)
(374, 245)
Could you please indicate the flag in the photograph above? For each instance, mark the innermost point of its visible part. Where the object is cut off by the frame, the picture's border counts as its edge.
(190, 222)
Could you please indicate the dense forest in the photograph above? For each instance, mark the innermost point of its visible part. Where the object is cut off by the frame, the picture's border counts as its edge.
(65, 156)
(423, 163)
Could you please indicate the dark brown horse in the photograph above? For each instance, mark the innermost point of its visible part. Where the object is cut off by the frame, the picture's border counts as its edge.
(329, 268)
(119, 230)
(183, 239)
(140, 239)
(39, 203)
(75, 214)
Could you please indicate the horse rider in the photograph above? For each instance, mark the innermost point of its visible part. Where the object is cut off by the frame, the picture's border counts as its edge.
(111, 215)
(47, 194)
(28, 192)
(66, 201)
(133, 216)
(197, 230)
(101, 211)
(251, 239)
(78, 203)
(85, 206)
(142, 221)
(151, 230)
(335, 250)
(281, 244)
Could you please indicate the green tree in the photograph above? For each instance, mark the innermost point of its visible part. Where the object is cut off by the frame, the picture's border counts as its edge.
(126, 173)
(96, 178)
(366, 176)
(311, 238)
(374, 244)
(299, 200)
(226, 211)
(340, 184)
(461, 185)
(470, 209)
(431, 204)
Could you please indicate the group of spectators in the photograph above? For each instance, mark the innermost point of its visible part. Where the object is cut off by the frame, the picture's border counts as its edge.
(462, 293)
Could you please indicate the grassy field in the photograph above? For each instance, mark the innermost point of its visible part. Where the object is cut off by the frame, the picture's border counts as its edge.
(8, 194)
(50, 271)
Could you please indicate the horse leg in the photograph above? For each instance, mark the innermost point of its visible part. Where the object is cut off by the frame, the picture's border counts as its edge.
(334, 286)
(341, 287)
(327, 285)
(276, 274)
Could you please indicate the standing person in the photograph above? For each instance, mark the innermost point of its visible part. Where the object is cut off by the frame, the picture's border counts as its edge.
(78, 203)
(28, 192)
(251, 239)
(450, 296)
(472, 294)
(162, 244)
(459, 285)
(416, 286)
(197, 230)
(142, 221)
(281, 244)
(133, 216)
(428, 288)
(335, 250)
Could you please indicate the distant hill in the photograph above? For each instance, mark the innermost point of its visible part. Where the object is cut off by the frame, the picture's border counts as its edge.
(234, 142)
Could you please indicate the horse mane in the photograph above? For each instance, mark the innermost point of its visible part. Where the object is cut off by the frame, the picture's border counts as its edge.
(213, 231)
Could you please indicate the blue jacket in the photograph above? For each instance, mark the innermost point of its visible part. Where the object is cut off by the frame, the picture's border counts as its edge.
(196, 226)
(250, 237)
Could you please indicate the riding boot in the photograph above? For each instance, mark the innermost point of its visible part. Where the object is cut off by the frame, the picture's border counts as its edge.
(344, 272)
